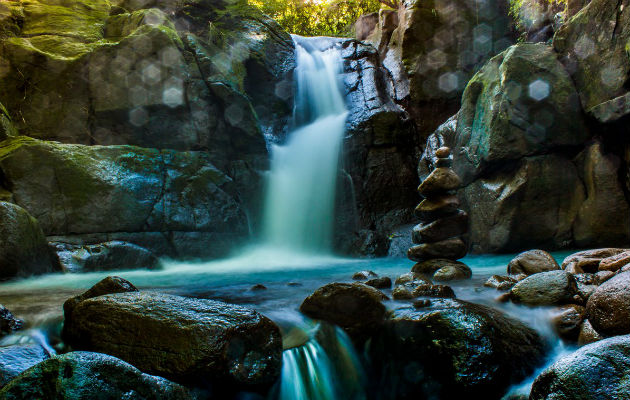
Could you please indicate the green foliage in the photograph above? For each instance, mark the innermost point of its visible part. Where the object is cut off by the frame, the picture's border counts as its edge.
(527, 14)
(317, 18)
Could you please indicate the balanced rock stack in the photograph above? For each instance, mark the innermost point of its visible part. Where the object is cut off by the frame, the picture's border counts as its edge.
(439, 237)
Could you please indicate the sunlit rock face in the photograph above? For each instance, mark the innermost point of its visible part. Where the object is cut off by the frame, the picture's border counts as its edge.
(532, 174)
(207, 76)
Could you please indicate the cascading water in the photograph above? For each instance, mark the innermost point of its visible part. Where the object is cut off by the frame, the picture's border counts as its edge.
(299, 208)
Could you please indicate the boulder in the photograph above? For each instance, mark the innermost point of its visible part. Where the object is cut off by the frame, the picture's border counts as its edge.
(592, 46)
(430, 267)
(500, 282)
(181, 338)
(8, 323)
(522, 102)
(23, 247)
(441, 229)
(589, 260)
(108, 256)
(531, 203)
(532, 262)
(18, 358)
(596, 371)
(357, 308)
(80, 375)
(545, 289)
(608, 307)
(172, 203)
(567, 321)
(615, 263)
(452, 249)
(603, 276)
(452, 349)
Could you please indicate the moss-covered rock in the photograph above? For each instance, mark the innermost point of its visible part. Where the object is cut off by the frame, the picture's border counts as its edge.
(593, 45)
(23, 247)
(521, 103)
(169, 202)
(80, 375)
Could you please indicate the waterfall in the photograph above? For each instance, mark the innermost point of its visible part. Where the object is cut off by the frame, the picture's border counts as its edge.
(326, 367)
(300, 200)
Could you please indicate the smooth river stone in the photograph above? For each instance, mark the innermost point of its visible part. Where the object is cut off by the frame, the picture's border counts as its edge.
(452, 249)
(439, 181)
(441, 229)
(435, 207)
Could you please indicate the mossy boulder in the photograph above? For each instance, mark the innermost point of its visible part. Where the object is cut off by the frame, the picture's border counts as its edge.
(166, 201)
(453, 349)
(596, 371)
(521, 103)
(180, 338)
(23, 247)
(18, 358)
(79, 375)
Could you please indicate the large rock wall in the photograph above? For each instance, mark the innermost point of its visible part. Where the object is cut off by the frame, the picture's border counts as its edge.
(193, 86)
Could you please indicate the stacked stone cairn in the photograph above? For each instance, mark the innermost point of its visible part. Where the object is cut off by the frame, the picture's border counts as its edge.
(440, 237)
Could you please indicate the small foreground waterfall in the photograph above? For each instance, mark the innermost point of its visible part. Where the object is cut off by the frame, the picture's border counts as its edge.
(299, 208)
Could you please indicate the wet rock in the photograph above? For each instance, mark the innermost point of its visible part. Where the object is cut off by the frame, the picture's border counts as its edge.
(503, 298)
(615, 263)
(545, 289)
(8, 323)
(109, 285)
(443, 152)
(80, 375)
(603, 276)
(451, 268)
(588, 334)
(403, 291)
(567, 321)
(364, 275)
(258, 287)
(596, 371)
(380, 283)
(108, 256)
(532, 262)
(294, 284)
(23, 247)
(453, 349)
(437, 207)
(357, 308)
(422, 303)
(589, 260)
(412, 277)
(608, 307)
(500, 282)
(18, 358)
(574, 268)
(452, 273)
(441, 229)
(433, 291)
(452, 249)
(182, 339)
(439, 181)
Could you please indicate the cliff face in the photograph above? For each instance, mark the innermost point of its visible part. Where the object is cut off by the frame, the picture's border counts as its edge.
(159, 109)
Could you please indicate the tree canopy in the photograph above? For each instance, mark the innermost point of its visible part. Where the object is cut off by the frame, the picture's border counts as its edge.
(319, 18)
